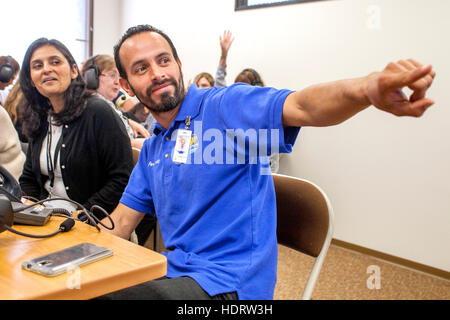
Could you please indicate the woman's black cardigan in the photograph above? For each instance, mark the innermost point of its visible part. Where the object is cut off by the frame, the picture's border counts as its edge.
(96, 158)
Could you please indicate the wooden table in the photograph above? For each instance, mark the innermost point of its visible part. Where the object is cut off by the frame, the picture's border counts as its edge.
(129, 265)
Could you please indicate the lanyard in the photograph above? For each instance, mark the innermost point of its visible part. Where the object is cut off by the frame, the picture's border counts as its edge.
(52, 165)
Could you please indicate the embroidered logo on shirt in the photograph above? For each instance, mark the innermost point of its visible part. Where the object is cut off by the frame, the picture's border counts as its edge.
(151, 164)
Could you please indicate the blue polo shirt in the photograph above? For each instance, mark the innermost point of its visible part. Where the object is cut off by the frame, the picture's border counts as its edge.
(217, 212)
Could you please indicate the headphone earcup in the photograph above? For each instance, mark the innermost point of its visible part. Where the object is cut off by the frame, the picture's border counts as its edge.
(257, 81)
(9, 185)
(6, 73)
(91, 77)
(6, 213)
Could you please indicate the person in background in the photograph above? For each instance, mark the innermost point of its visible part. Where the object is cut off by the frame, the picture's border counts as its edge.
(11, 156)
(15, 103)
(143, 113)
(108, 88)
(78, 146)
(9, 69)
(123, 102)
(250, 76)
(226, 40)
(206, 80)
(139, 111)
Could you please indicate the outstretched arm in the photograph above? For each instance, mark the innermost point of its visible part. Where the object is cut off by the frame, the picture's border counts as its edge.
(332, 103)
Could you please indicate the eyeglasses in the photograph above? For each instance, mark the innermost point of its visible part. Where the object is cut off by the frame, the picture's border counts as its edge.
(112, 75)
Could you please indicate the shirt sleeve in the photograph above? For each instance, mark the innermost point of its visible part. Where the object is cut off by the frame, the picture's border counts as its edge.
(220, 76)
(257, 109)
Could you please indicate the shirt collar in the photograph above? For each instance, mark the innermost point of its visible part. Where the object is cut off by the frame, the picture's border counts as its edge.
(191, 103)
(189, 107)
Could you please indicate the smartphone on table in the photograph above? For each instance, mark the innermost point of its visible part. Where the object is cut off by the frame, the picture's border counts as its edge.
(65, 260)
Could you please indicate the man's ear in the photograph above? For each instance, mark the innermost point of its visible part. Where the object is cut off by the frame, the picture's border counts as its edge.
(126, 86)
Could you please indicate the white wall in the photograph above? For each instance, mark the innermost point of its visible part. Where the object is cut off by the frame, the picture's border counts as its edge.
(107, 25)
(387, 177)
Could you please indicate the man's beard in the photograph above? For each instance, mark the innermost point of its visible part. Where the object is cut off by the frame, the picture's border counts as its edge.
(168, 101)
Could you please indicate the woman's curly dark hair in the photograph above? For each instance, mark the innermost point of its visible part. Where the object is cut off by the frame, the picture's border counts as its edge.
(38, 107)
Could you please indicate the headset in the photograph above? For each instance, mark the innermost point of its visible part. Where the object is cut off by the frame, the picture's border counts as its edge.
(6, 70)
(10, 191)
(91, 75)
(9, 186)
(257, 79)
(7, 220)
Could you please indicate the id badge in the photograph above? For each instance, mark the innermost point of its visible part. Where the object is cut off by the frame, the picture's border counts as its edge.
(182, 145)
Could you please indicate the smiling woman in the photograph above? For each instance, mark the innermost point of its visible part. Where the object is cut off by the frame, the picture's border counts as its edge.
(52, 74)
(70, 130)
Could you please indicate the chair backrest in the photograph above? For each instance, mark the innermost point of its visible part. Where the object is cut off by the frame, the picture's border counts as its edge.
(136, 152)
(304, 221)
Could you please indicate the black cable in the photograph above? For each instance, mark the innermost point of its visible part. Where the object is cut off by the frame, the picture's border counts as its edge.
(69, 222)
(105, 213)
(38, 202)
(86, 212)
(31, 235)
(89, 215)
(93, 219)
(63, 227)
(61, 211)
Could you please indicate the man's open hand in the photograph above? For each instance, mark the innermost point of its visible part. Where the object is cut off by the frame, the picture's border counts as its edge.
(385, 88)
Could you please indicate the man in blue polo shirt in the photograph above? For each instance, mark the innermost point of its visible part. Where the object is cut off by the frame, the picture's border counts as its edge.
(213, 196)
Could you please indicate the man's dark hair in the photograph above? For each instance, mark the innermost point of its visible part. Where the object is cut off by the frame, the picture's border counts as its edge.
(38, 106)
(133, 31)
